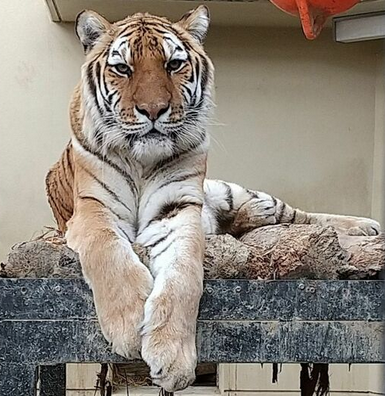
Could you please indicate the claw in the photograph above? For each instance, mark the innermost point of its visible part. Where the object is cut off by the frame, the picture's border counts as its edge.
(163, 392)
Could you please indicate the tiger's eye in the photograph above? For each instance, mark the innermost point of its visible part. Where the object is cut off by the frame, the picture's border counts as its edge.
(123, 69)
(174, 65)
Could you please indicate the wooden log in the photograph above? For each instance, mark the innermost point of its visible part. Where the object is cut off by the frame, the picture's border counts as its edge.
(271, 252)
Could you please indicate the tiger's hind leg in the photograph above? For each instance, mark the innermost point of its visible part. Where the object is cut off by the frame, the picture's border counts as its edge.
(230, 208)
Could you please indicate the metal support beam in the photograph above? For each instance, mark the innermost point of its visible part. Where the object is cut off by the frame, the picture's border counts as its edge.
(363, 27)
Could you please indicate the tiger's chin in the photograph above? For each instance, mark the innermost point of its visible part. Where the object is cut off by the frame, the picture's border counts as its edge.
(151, 150)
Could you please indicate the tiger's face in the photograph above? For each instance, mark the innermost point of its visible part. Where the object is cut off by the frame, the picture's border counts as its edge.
(146, 83)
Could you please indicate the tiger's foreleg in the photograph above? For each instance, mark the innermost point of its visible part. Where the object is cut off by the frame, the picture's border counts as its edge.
(230, 208)
(169, 327)
(119, 281)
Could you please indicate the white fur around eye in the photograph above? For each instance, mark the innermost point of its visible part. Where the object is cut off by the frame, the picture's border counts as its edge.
(173, 48)
(120, 52)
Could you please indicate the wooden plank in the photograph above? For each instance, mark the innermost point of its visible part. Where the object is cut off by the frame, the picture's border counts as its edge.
(222, 300)
(18, 379)
(59, 341)
(291, 342)
(53, 321)
(308, 300)
(45, 299)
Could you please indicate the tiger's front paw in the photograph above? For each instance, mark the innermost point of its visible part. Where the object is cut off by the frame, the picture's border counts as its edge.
(120, 311)
(172, 359)
(169, 343)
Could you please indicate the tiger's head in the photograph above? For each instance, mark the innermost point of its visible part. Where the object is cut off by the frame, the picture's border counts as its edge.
(146, 83)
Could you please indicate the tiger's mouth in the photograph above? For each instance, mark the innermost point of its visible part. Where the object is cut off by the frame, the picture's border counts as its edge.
(153, 133)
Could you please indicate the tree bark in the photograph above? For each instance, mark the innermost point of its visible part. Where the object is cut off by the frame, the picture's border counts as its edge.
(271, 252)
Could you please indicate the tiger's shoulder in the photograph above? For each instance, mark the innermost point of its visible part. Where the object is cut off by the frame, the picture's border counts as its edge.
(60, 187)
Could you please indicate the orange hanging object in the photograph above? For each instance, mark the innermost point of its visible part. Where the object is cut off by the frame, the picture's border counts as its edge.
(314, 13)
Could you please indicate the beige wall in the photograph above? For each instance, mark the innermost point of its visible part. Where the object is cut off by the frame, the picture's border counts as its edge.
(378, 201)
(297, 118)
(345, 380)
(39, 68)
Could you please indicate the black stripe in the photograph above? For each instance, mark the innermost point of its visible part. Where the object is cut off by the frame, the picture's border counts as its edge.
(181, 178)
(160, 21)
(125, 35)
(68, 160)
(158, 241)
(126, 235)
(103, 205)
(191, 78)
(199, 137)
(204, 74)
(60, 201)
(229, 196)
(127, 177)
(160, 31)
(104, 186)
(92, 86)
(292, 220)
(188, 90)
(161, 165)
(188, 46)
(53, 203)
(99, 136)
(66, 188)
(65, 166)
(119, 47)
(110, 96)
(197, 72)
(165, 249)
(170, 210)
(254, 195)
(102, 81)
(224, 220)
(170, 40)
(281, 212)
(173, 207)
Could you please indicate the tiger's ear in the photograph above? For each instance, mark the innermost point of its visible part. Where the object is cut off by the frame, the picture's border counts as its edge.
(89, 26)
(196, 22)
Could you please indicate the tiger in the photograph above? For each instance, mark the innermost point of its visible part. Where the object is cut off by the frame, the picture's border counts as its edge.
(134, 172)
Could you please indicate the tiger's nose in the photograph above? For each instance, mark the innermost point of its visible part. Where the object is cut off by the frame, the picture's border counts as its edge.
(152, 110)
